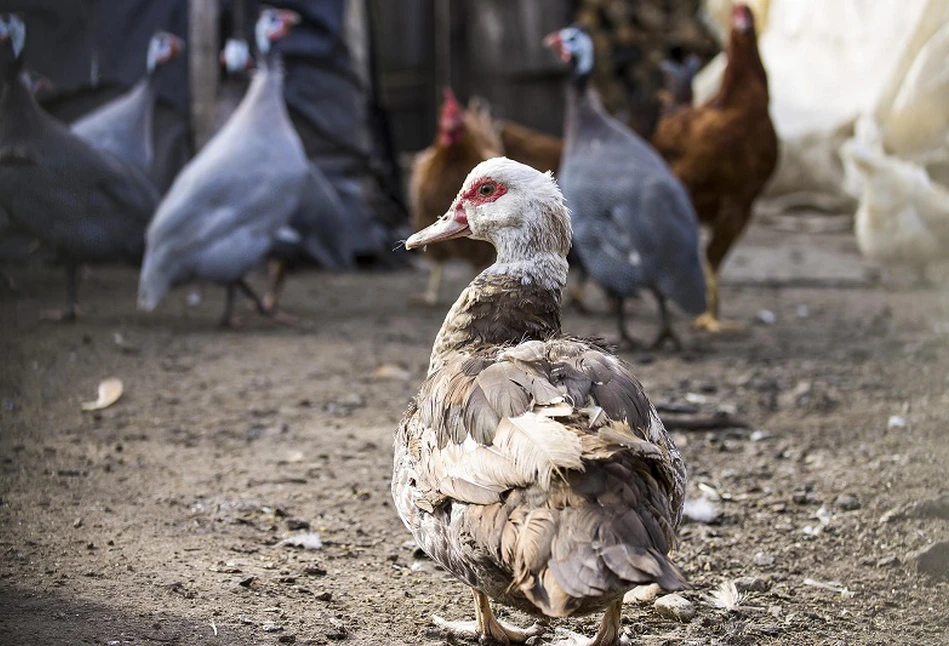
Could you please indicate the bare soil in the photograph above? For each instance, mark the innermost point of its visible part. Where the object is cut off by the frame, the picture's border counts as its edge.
(160, 520)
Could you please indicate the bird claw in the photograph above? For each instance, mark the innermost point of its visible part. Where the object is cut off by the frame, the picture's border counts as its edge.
(564, 637)
(714, 325)
(501, 632)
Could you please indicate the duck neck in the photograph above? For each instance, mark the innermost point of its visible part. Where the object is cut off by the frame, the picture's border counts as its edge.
(515, 299)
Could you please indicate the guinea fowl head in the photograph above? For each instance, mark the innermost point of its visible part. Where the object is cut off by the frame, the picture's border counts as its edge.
(162, 48)
(235, 57)
(13, 30)
(273, 25)
(574, 45)
(516, 208)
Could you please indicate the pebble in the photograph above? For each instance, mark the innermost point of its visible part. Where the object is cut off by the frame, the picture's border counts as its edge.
(888, 561)
(847, 502)
(932, 560)
(895, 421)
(643, 594)
(271, 628)
(752, 584)
(763, 559)
(675, 606)
(767, 317)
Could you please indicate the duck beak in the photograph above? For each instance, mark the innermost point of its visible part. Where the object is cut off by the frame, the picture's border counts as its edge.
(452, 225)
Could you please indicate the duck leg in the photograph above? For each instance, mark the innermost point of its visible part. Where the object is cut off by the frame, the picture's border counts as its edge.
(609, 633)
(486, 626)
(666, 333)
(72, 290)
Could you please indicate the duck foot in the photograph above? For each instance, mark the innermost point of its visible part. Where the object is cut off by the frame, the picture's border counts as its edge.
(499, 632)
(714, 325)
(564, 637)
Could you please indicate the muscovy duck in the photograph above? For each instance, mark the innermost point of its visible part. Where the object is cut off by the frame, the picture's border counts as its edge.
(633, 224)
(531, 465)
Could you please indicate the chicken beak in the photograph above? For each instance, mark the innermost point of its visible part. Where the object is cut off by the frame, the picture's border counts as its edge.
(452, 225)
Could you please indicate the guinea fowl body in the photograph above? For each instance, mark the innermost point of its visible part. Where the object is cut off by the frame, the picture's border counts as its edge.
(224, 210)
(531, 464)
(123, 126)
(87, 205)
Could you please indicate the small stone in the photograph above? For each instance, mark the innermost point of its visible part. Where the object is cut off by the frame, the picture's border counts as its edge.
(888, 561)
(324, 596)
(769, 630)
(77, 523)
(763, 559)
(767, 317)
(294, 524)
(287, 639)
(932, 560)
(896, 513)
(847, 502)
(675, 606)
(937, 507)
(895, 421)
(643, 594)
(271, 628)
(752, 584)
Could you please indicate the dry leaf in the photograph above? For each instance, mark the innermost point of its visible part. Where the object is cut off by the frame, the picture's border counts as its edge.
(109, 392)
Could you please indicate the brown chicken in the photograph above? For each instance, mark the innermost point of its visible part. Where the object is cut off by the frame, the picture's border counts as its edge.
(531, 147)
(724, 151)
(464, 139)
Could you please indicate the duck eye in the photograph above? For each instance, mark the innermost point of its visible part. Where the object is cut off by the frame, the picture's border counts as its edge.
(486, 190)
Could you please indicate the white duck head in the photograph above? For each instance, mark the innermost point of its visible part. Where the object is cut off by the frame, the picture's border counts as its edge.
(516, 208)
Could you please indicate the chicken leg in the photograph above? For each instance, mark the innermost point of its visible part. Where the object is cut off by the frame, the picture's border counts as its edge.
(733, 216)
(709, 321)
(486, 625)
(277, 276)
(666, 333)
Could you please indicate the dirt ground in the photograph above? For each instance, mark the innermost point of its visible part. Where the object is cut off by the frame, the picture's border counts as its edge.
(161, 520)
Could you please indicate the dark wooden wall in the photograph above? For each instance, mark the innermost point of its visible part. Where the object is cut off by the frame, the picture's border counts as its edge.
(494, 51)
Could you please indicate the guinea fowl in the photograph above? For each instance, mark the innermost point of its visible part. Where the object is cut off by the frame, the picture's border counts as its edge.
(84, 205)
(225, 209)
(464, 138)
(123, 126)
(531, 465)
(634, 227)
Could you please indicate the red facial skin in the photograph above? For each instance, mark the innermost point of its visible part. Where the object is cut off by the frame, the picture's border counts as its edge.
(742, 19)
(450, 120)
(475, 197)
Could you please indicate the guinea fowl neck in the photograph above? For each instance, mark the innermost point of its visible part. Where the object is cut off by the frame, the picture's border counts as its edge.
(18, 108)
(511, 301)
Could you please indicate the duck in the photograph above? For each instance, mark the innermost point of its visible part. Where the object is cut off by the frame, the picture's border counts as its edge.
(227, 207)
(123, 126)
(530, 464)
(634, 225)
(83, 205)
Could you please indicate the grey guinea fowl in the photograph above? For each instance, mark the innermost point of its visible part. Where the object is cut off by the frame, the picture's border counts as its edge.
(86, 206)
(123, 126)
(225, 209)
(633, 224)
(318, 231)
(531, 465)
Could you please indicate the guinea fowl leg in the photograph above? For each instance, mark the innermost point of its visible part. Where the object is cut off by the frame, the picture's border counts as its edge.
(666, 333)
(277, 274)
(227, 319)
(627, 341)
(72, 290)
(486, 626)
(269, 312)
(430, 297)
